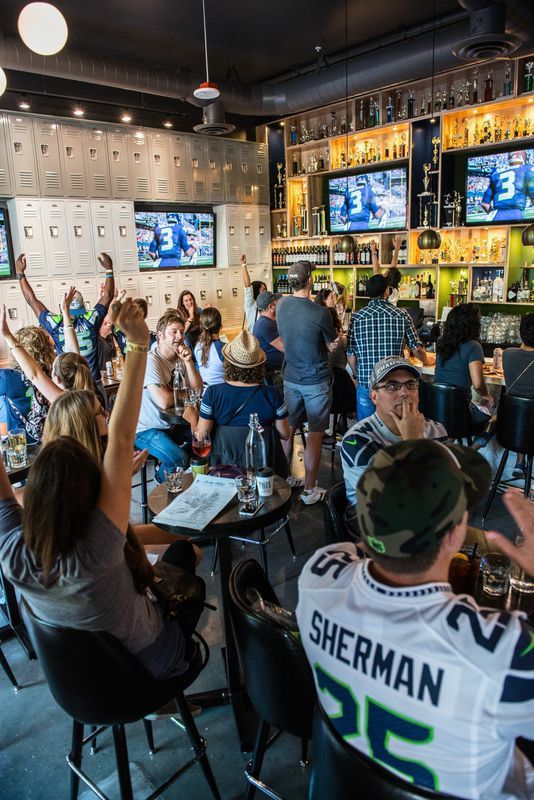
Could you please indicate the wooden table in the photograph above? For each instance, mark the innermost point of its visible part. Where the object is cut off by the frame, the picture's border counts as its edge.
(229, 523)
(493, 378)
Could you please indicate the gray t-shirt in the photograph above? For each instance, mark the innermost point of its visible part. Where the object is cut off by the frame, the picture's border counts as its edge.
(93, 590)
(159, 372)
(514, 361)
(455, 370)
(306, 328)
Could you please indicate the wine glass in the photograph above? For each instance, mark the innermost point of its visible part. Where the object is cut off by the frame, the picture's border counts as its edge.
(201, 444)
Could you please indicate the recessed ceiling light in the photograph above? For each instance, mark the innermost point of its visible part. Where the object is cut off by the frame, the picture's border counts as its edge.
(167, 124)
(23, 104)
(126, 117)
(78, 112)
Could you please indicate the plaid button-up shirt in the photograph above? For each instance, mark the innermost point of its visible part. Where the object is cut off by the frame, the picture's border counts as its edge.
(377, 331)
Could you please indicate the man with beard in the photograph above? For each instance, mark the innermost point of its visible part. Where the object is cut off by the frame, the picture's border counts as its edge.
(395, 393)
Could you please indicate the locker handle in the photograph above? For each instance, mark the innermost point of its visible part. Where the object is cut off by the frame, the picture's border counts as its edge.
(78, 231)
(231, 230)
(262, 230)
(54, 233)
(202, 294)
(247, 230)
(219, 294)
(234, 291)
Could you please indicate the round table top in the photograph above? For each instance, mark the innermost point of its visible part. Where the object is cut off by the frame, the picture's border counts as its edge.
(171, 416)
(228, 522)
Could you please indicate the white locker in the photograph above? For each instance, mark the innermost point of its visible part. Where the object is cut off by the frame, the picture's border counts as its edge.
(235, 297)
(264, 234)
(81, 237)
(119, 163)
(249, 223)
(247, 172)
(28, 235)
(203, 294)
(102, 227)
(265, 274)
(96, 163)
(125, 236)
(220, 295)
(46, 137)
(262, 173)
(231, 170)
(72, 159)
(20, 139)
(159, 148)
(149, 289)
(187, 282)
(6, 183)
(56, 237)
(168, 295)
(215, 171)
(139, 165)
(19, 314)
(128, 282)
(43, 292)
(198, 151)
(234, 234)
(90, 289)
(180, 167)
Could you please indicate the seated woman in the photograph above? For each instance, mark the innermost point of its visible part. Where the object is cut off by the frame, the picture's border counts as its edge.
(228, 405)
(336, 358)
(68, 554)
(460, 359)
(188, 309)
(208, 349)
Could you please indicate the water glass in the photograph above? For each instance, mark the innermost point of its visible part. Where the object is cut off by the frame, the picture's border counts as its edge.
(17, 449)
(246, 489)
(174, 477)
(495, 570)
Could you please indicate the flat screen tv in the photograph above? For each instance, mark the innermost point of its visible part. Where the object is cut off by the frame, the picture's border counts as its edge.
(174, 237)
(500, 187)
(368, 201)
(7, 262)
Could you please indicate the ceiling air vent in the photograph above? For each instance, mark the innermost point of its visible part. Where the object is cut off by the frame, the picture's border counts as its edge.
(487, 36)
(213, 121)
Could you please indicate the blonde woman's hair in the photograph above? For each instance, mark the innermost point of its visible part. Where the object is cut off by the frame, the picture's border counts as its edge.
(210, 324)
(37, 343)
(73, 372)
(73, 414)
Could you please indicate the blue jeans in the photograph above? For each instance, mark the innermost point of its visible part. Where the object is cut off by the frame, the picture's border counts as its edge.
(364, 405)
(165, 446)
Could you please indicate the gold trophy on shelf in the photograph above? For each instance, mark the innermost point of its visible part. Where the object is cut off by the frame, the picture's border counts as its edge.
(436, 141)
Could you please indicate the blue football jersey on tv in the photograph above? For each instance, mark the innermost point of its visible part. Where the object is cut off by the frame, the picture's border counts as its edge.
(510, 186)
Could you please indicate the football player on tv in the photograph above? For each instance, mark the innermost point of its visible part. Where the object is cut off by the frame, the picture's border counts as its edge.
(509, 188)
(169, 241)
(359, 205)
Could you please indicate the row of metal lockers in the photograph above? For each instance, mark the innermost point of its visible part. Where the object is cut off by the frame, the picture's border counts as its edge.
(48, 157)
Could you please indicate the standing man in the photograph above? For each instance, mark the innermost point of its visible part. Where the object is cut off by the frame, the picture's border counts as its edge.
(375, 332)
(169, 241)
(266, 332)
(308, 333)
(86, 323)
(155, 431)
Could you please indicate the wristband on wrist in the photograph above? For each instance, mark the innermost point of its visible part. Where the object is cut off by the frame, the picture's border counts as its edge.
(70, 325)
(109, 274)
(133, 347)
(20, 275)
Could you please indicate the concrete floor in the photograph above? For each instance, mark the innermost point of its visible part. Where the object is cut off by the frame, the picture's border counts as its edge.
(35, 733)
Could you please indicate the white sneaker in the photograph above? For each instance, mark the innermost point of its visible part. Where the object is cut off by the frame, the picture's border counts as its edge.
(312, 496)
(294, 482)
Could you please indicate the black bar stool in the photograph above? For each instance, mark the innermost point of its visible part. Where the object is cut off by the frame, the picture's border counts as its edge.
(448, 405)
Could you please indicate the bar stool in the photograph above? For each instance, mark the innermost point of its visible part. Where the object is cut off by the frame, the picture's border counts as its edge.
(343, 403)
(448, 405)
(514, 432)
(4, 663)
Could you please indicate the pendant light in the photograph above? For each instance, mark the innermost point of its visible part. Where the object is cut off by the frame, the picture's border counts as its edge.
(347, 243)
(527, 237)
(429, 239)
(43, 28)
(206, 90)
(3, 81)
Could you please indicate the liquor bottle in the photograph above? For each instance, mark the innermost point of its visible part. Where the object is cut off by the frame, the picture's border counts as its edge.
(411, 105)
(395, 146)
(488, 88)
(389, 110)
(475, 86)
(361, 119)
(255, 451)
(372, 116)
(451, 97)
(179, 386)
(386, 149)
(294, 166)
(293, 135)
(333, 124)
(377, 114)
(507, 87)
(497, 294)
(511, 295)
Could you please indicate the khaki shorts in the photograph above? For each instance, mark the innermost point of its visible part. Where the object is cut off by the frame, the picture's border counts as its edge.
(311, 402)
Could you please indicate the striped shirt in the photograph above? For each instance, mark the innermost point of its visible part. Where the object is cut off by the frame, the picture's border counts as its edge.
(377, 331)
(366, 438)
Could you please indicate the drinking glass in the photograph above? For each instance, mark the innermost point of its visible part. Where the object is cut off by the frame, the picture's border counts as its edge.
(519, 580)
(174, 477)
(17, 450)
(246, 489)
(495, 570)
(201, 444)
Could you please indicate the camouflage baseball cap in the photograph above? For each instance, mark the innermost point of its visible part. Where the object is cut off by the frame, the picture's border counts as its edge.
(386, 365)
(412, 493)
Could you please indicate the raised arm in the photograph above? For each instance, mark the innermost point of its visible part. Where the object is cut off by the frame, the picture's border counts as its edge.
(115, 486)
(29, 295)
(246, 277)
(374, 258)
(523, 513)
(397, 241)
(71, 340)
(193, 375)
(106, 293)
(28, 365)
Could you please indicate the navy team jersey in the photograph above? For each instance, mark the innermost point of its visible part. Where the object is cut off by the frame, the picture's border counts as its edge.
(423, 681)
(509, 188)
(359, 204)
(168, 242)
(86, 326)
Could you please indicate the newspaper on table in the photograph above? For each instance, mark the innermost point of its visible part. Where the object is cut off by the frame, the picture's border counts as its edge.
(199, 504)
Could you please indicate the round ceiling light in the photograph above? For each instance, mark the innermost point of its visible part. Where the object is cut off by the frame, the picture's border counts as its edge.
(207, 91)
(3, 81)
(527, 237)
(429, 239)
(347, 244)
(43, 28)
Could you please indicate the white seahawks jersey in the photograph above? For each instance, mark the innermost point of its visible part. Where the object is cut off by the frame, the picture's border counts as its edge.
(423, 681)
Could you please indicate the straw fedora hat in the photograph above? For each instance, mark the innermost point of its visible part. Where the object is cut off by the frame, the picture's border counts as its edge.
(244, 351)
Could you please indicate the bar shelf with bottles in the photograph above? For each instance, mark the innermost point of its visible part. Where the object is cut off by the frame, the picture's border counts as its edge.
(494, 123)
(470, 246)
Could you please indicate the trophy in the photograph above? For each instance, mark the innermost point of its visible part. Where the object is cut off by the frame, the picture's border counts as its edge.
(293, 135)
(426, 178)
(529, 78)
(280, 187)
(517, 127)
(426, 197)
(302, 213)
(436, 141)
(507, 87)
(316, 221)
(526, 126)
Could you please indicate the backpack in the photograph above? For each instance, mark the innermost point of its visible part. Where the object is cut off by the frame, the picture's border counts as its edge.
(14, 403)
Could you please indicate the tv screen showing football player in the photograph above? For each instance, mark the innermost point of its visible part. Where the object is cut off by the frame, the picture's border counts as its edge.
(500, 187)
(174, 239)
(368, 201)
